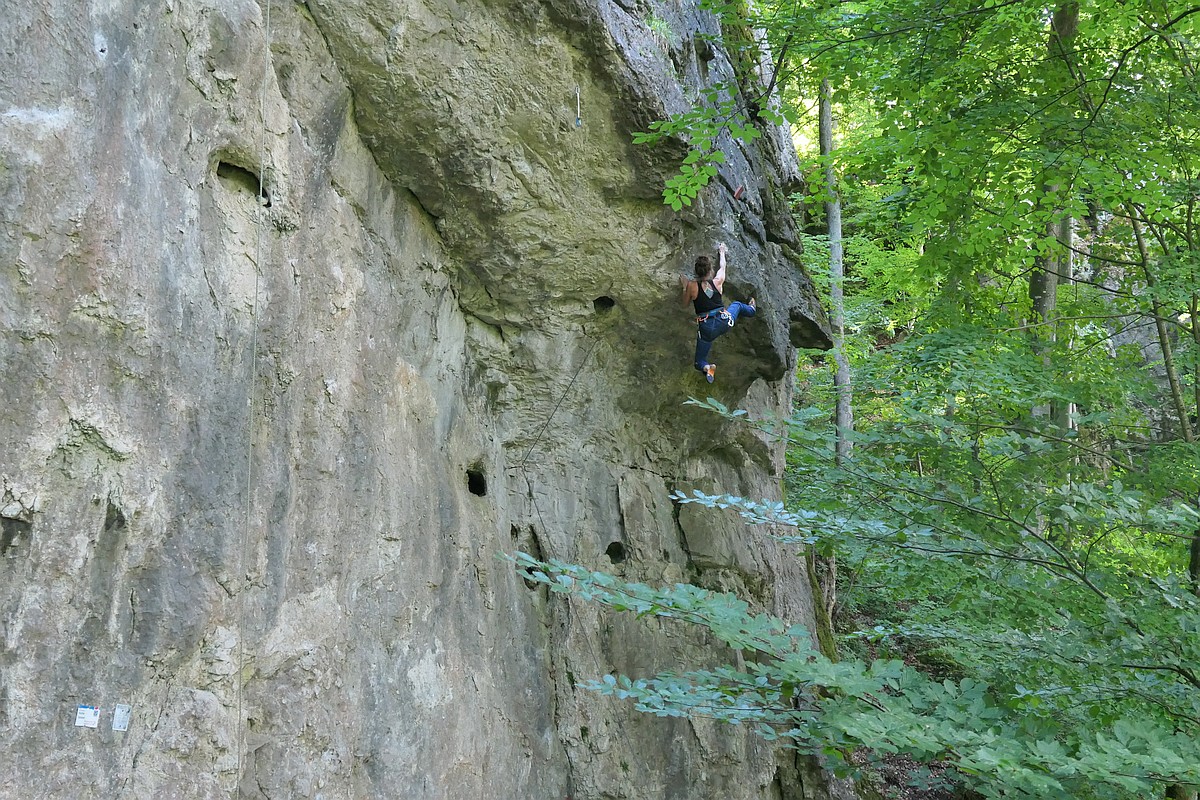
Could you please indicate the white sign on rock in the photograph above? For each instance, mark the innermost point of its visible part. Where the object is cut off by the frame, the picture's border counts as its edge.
(87, 717)
(121, 715)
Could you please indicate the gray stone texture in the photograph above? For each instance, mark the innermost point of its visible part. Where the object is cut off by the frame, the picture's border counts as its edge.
(260, 451)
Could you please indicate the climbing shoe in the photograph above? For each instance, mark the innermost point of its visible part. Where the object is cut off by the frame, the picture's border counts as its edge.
(752, 304)
(710, 372)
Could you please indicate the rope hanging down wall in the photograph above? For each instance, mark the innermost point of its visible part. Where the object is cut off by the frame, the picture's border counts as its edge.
(542, 430)
(261, 220)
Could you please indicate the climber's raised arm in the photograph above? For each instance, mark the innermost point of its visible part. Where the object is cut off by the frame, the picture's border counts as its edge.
(719, 279)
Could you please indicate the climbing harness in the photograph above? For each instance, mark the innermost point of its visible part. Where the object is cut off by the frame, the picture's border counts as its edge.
(723, 313)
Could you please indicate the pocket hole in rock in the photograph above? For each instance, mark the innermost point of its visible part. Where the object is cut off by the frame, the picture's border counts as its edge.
(476, 481)
(13, 534)
(240, 179)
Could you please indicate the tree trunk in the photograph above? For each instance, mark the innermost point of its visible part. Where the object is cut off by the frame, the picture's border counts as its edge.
(824, 580)
(818, 579)
(1160, 326)
(1177, 398)
(1194, 560)
(1050, 270)
(1194, 555)
(1194, 319)
(1043, 281)
(833, 216)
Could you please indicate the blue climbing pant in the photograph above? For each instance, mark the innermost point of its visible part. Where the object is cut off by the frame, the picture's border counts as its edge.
(715, 324)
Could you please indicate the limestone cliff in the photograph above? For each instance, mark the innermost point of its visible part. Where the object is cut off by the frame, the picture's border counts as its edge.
(308, 312)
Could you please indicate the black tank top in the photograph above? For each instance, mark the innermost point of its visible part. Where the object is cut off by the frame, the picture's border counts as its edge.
(705, 303)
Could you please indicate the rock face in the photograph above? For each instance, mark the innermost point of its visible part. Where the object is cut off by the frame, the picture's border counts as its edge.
(309, 311)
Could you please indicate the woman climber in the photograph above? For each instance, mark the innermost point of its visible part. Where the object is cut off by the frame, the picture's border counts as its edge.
(712, 317)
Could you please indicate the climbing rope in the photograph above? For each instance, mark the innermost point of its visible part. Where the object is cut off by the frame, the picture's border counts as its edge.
(553, 411)
(541, 431)
(261, 222)
(529, 483)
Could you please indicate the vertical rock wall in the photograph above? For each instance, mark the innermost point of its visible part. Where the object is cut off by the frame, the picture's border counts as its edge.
(308, 311)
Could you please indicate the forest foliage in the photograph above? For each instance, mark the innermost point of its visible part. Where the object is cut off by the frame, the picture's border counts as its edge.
(1012, 552)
